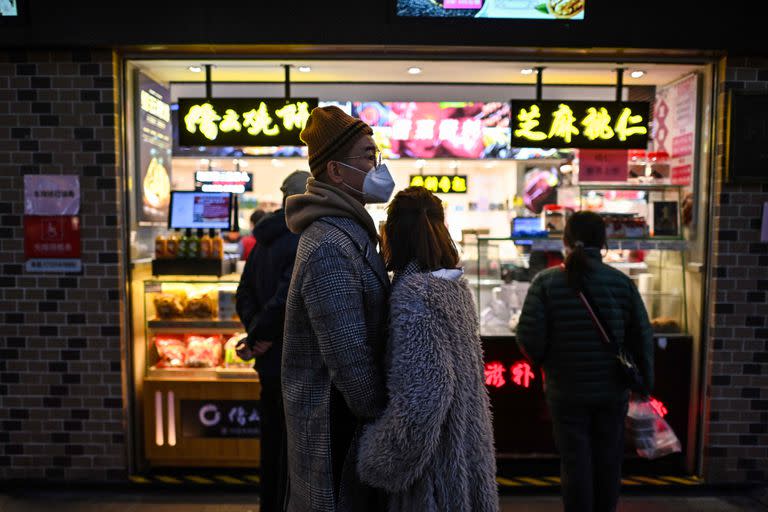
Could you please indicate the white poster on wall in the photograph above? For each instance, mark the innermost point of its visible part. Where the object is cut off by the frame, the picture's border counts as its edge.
(675, 116)
(51, 194)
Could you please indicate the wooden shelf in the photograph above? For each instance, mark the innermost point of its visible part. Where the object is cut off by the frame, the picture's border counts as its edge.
(223, 325)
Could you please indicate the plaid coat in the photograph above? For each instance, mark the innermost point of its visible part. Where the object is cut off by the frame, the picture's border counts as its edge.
(332, 368)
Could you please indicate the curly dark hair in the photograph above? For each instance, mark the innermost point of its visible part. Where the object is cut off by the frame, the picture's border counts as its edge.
(416, 231)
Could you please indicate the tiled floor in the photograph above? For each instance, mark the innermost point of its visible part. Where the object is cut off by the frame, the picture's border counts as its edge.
(240, 502)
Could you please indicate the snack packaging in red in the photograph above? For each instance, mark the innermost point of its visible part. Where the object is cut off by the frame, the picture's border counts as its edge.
(171, 350)
(203, 351)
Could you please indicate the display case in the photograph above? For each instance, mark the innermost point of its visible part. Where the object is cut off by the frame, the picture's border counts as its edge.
(636, 211)
(500, 271)
(643, 223)
(192, 329)
(200, 401)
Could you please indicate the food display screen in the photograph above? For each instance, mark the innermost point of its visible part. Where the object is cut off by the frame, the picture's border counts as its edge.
(493, 9)
(200, 210)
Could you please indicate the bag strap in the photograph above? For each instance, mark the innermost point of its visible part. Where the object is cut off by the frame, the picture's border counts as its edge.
(594, 314)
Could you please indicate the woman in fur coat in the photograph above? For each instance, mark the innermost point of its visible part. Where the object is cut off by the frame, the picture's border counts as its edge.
(432, 449)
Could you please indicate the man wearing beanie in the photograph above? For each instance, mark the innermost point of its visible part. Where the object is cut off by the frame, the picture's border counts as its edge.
(261, 300)
(335, 328)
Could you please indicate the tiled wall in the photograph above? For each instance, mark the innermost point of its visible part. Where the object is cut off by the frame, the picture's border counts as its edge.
(737, 435)
(61, 404)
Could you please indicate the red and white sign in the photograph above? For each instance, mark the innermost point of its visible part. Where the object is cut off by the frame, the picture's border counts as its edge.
(601, 165)
(674, 126)
(51, 194)
(51, 237)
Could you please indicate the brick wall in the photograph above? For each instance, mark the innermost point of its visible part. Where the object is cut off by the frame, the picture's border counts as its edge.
(736, 442)
(60, 346)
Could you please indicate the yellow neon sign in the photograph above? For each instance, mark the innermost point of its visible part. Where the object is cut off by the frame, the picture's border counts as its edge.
(256, 121)
(566, 124)
(441, 184)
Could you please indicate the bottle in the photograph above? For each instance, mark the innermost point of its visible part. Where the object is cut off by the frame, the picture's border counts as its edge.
(206, 246)
(194, 244)
(161, 247)
(185, 245)
(217, 250)
(172, 246)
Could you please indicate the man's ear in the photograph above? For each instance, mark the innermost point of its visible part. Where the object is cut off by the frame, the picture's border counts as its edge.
(333, 170)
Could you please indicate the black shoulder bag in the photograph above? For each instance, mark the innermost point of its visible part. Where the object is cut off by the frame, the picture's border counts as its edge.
(631, 375)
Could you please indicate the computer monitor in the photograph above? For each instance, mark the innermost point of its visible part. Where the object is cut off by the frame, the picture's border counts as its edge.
(200, 210)
(526, 225)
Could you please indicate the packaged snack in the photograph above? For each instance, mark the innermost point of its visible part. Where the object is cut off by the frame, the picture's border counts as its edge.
(227, 305)
(170, 305)
(171, 351)
(201, 306)
(203, 351)
(231, 360)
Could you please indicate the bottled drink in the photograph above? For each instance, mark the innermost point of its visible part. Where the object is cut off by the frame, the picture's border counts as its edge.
(206, 246)
(161, 247)
(185, 245)
(217, 251)
(172, 246)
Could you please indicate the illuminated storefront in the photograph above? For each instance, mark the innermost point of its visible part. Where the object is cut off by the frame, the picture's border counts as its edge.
(509, 169)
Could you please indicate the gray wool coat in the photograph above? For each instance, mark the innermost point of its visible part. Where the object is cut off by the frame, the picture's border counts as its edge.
(332, 366)
(432, 449)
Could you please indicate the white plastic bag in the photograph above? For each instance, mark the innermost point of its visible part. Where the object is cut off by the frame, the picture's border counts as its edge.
(650, 433)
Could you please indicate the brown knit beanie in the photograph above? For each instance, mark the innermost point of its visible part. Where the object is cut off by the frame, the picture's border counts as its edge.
(329, 134)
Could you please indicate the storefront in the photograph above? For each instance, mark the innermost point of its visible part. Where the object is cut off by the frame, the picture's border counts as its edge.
(637, 152)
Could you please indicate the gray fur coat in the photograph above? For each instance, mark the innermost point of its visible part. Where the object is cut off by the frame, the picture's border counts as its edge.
(432, 449)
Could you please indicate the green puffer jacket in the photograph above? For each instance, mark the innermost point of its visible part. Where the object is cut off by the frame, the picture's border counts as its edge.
(557, 334)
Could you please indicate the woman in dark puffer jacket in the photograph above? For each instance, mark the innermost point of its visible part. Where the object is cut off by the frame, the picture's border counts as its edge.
(584, 385)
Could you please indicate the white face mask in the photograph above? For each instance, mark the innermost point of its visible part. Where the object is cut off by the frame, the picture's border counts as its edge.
(377, 186)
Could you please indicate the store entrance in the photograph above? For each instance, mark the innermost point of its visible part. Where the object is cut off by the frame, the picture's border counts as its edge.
(508, 179)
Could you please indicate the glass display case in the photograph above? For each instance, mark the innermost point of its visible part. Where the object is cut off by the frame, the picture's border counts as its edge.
(500, 271)
(643, 223)
(634, 211)
(192, 329)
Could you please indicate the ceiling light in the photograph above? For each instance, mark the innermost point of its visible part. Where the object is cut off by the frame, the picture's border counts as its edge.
(526, 71)
(305, 69)
(195, 69)
(414, 71)
(637, 74)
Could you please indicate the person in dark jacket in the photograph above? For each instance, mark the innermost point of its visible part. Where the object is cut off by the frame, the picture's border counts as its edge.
(432, 448)
(584, 385)
(261, 298)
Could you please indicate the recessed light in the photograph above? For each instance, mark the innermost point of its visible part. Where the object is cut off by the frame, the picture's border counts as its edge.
(526, 71)
(305, 69)
(195, 69)
(414, 71)
(637, 74)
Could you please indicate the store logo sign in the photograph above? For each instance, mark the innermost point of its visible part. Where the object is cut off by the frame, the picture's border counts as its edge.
(243, 121)
(445, 184)
(580, 124)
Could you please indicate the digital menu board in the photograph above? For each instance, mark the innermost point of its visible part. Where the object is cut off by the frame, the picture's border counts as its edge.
(563, 10)
(200, 210)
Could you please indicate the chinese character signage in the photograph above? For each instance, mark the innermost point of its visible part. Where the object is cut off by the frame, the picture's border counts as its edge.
(445, 184)
(580, 124)
(494, 9)
(437, 130)
(243, 121)
(675, 117)
(51, 194)
(602, 165)
(234, 182)
(220, 419)
(520, 374)
(52, 243)
(153, 146)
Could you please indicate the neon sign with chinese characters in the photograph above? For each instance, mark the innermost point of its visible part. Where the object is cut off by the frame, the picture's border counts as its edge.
(445, 184)
(580, 124)
(243, 121)
(520, 374)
